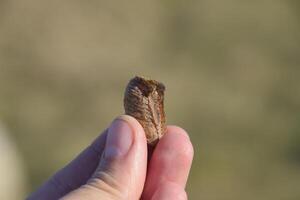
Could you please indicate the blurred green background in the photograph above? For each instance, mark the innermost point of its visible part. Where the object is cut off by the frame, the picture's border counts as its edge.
(231, 69)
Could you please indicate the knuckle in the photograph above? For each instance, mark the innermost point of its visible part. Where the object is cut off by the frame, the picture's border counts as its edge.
(104, 182)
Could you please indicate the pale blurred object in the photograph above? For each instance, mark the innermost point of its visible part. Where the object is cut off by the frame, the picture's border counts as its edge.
(12, 182)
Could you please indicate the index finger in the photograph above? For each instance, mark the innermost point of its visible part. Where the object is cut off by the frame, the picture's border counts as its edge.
(170, 162)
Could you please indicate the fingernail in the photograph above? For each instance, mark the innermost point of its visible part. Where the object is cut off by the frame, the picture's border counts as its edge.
(119, 139)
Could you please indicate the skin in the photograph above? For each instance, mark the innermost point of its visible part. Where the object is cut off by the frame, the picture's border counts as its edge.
(100, 172)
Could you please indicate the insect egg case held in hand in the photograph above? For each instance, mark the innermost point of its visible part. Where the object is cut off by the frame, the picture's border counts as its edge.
(144, 100)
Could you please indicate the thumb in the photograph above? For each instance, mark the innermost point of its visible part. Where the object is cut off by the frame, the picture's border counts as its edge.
(122, 169)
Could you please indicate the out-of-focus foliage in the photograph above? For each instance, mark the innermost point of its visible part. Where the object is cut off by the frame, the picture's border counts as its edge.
(232, 71)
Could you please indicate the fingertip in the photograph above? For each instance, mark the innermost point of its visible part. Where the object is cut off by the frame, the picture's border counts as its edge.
(177, 130)
(129, 119)
(178, 139)
(135, 125)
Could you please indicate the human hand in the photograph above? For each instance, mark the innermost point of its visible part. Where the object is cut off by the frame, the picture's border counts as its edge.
(115, 166)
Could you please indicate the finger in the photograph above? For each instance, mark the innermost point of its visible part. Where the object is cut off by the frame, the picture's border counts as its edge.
(171, 161)
(75, 174)
(169, 190)
(122, 170)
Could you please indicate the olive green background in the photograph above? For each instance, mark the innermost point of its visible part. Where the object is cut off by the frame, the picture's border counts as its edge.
(231, 69)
